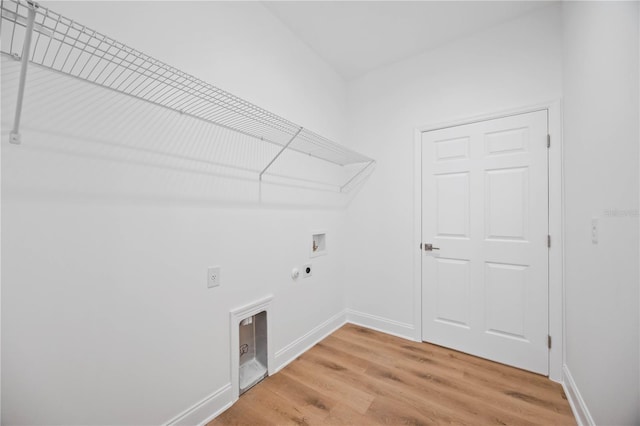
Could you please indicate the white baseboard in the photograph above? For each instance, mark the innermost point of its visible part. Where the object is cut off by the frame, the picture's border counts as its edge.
(578, 406)
(384, 325)
(213, 405)
(206, 410)
(299, 346)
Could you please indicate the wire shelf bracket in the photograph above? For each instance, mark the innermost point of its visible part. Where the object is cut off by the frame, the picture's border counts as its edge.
(14, 136)
(273, 160)
(357, 175)
(42, 37)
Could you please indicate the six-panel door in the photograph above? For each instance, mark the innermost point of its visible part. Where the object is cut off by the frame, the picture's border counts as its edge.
(485, 206)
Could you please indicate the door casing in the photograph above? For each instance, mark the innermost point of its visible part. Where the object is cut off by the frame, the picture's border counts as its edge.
(556, 220)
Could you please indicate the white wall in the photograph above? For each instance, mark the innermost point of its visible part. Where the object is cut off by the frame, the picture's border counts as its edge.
(514, 64)
(113, 209)
(601, 174)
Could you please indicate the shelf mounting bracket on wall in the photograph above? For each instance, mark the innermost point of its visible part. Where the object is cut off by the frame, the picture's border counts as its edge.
(26, 47)
(280, 152)
(371, 163)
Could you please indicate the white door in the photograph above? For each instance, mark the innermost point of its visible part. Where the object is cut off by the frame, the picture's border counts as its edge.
(485, 209)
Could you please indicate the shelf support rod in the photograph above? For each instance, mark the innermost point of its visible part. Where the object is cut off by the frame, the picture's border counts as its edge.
(279, 153)
(26, 48)
(356, 175)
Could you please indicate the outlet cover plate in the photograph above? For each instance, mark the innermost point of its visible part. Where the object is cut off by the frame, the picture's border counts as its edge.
(213, 277)
(307, 270)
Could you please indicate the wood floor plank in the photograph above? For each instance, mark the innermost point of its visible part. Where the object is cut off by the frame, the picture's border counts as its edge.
(316, 405)
(472, 368)
(396, 413)
(347, 359)
(386, 388)
(479, 372)
(317, 379)
(344, 415)
(467, 402)
(355, 333)
(358, 376)
(273, 408)
(499, 394)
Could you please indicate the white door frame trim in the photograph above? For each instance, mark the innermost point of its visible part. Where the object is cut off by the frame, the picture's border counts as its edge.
(556, 221)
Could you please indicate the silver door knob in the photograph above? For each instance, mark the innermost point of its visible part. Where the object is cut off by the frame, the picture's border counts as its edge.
(430, 247)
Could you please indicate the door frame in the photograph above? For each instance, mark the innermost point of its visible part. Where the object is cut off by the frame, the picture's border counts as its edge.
(556, 222)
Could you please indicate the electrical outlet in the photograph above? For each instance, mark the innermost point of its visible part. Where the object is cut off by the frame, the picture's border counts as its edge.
(307, 270)
(213, 276)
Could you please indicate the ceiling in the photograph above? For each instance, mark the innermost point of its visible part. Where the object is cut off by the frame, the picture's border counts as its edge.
(355, 37)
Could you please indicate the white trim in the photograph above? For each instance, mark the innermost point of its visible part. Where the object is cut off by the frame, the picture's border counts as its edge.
(417, 231)
(578, 406)
(417, 235)
(302, 344)
(485, 116)
(200, 413)
(235, 316)
(215, 404)
(556, 221)
(384, 325)
(556, 252)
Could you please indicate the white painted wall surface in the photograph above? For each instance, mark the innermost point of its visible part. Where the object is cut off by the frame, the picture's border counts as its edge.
(105, 247)
(512, 65)
(113, 210)
(601, 174)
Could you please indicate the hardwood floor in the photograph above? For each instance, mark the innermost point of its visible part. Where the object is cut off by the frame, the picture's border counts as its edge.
(359, 376)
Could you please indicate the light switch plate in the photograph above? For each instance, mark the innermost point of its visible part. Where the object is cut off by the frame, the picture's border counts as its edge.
(213, 277)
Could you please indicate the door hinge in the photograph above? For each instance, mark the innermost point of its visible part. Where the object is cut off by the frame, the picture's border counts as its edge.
(548, 141)
(549, 341)
(549, 241)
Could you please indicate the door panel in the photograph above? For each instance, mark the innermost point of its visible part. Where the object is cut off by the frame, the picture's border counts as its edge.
(505, 303)
(451, 149)
(506, 191)
(452, 301)
(452, 197)
(485, 206)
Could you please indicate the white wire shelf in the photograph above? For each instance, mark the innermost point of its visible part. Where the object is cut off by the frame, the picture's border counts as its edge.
(37, 35)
